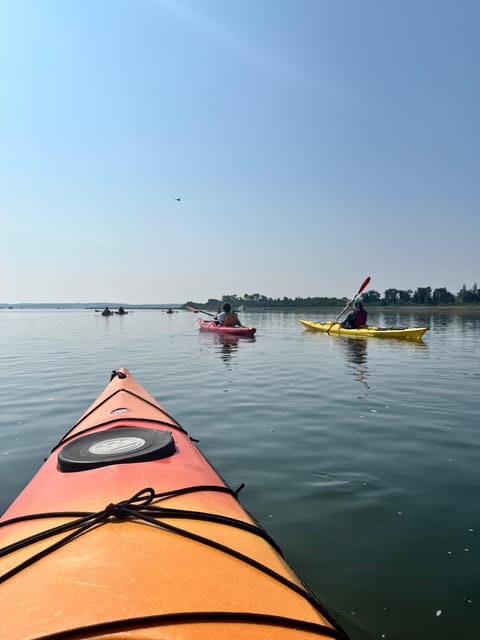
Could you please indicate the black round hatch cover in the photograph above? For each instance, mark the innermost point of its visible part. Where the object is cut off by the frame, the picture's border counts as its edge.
(116, 446)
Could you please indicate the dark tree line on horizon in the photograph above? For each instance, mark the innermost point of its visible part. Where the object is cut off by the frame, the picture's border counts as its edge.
(421, 296)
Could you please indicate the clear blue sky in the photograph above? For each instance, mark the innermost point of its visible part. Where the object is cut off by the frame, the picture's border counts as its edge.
(312, 143)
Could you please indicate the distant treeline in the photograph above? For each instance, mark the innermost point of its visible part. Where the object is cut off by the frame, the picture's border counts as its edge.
(390, 297)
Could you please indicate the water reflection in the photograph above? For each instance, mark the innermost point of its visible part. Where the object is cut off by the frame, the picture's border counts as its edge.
(226, 346)
(356, 350)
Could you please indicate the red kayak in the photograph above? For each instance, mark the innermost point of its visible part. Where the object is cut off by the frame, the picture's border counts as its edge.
(211, 325)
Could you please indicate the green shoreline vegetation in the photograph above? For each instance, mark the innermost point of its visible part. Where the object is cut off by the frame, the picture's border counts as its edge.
(422, 298)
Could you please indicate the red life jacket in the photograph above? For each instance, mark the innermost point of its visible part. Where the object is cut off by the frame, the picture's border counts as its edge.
(360, 318)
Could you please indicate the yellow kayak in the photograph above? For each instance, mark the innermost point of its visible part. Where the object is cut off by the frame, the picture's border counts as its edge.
(336, 328)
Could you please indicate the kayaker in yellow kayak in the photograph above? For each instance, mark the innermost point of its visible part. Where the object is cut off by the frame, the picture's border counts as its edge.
(227, 317)
(357, 318)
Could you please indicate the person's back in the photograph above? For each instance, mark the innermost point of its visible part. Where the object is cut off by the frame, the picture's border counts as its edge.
(230, 320)
(227, 317)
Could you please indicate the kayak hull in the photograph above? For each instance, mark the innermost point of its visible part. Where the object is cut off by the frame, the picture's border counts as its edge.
(335, 328)
(142, 548)
(210, 325)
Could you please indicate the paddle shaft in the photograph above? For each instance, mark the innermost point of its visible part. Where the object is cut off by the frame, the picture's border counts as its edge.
(200, 311)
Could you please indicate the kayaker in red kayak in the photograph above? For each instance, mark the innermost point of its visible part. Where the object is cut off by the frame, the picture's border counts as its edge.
(357, 318)
(227, 317)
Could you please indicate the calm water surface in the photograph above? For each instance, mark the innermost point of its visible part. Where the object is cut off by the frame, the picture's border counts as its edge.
(361, 457)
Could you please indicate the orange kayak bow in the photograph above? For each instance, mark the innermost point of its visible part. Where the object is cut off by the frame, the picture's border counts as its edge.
(126, 531)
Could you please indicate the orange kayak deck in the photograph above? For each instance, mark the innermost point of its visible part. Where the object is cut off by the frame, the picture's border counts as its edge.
(126, 531)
